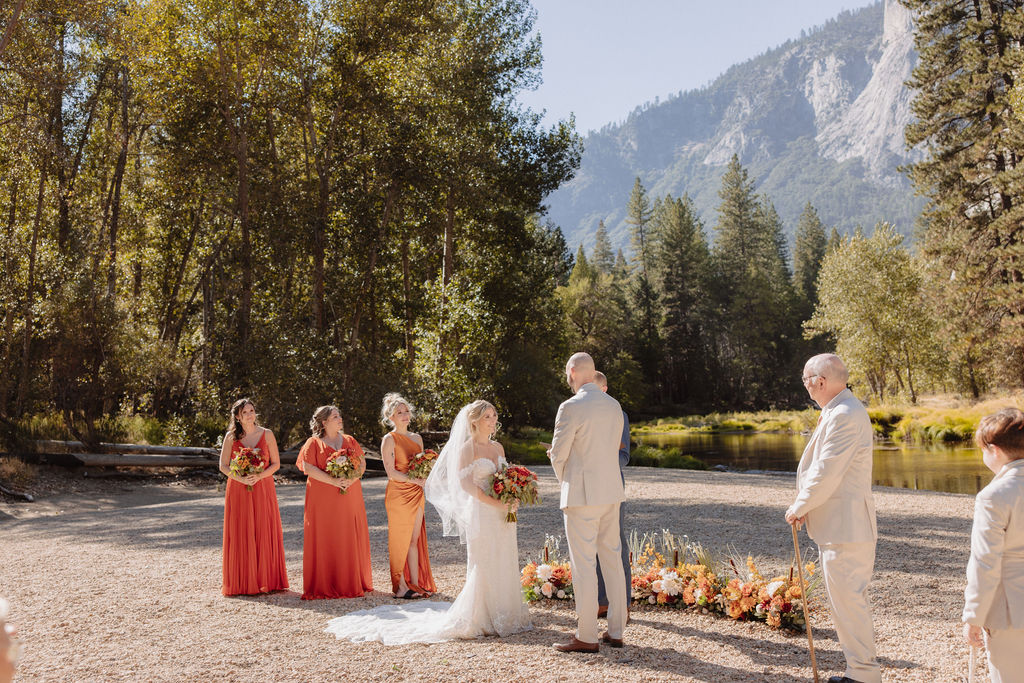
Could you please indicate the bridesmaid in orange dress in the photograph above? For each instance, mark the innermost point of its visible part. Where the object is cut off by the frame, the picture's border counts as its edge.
(404, 502)
(335, 535)
(253, 542)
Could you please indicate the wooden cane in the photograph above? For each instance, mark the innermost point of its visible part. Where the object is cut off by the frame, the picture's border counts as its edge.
(970, 665)
(803, 593)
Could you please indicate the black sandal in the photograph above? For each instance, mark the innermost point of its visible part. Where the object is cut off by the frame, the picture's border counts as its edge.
(409, 595)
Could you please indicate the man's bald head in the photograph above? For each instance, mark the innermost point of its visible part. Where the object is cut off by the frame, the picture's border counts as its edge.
(579, 370)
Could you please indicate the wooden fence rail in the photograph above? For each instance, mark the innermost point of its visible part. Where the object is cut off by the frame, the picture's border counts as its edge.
(78, 454)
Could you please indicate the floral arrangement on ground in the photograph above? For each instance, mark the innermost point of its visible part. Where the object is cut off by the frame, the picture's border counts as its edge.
(722, 584)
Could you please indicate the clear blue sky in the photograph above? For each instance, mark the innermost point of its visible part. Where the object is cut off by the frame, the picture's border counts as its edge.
(602, 58)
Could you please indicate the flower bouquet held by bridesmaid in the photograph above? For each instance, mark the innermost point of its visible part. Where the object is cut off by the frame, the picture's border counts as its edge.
(335, 535)
(404, 458)
(253, 542)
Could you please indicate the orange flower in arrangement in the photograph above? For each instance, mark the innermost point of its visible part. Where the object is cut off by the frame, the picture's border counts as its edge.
(774, 620)
(794, 593)
(421, 464)
(734, 610)
(688, 594)
(246, 461)
(343, 464)
(561, 575)
(529, 574)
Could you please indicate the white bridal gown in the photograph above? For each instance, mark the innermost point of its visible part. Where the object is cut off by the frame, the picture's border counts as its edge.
(491, 601)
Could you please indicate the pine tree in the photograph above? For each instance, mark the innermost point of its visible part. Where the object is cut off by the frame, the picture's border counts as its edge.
(967, 70)
(809, 248)
(638, 216)
(758, 328)
(683, 281)
(604, 257)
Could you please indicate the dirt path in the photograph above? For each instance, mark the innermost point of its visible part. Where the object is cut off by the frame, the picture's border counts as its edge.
(126, 586)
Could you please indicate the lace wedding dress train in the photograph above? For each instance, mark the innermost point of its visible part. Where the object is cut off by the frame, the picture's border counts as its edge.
(491, 600)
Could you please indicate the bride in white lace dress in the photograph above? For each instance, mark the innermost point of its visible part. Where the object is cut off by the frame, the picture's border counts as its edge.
(491, 601)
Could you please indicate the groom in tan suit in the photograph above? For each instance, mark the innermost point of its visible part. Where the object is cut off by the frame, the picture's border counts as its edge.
(834, 499)
(585, 456)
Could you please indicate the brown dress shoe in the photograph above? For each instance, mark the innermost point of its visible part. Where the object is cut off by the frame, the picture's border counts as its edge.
(576, 645)
(614, 642)
(602, 611)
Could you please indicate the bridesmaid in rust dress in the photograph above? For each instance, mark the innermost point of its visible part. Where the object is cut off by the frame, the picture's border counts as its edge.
(335, 535)
(404, 502)
(253, 543)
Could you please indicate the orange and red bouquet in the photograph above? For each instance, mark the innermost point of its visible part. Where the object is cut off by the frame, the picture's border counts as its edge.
(514, 483)
(245, 462)
(421, 464)
(343, 464)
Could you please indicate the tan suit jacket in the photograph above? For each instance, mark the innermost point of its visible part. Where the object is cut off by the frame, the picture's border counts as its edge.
(834, 475)
(994, 597)
(585, 449)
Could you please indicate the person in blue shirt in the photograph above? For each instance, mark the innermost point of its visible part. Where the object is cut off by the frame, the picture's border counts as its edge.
(602, 596)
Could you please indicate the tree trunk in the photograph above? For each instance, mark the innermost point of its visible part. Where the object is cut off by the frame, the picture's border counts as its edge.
(9, 306)
(207, 324)
(245, 304)
(115, 210)
(12, 23)
(410, 349)
(26, 350)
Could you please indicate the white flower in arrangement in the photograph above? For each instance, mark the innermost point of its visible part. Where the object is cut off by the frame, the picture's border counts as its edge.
(774, 586)
(657, 586)
(759, 610)
(544, 572)
(548, 589)
(560, 594)
(698, 594)
(796, 605)
(672, 586)
(652, 599)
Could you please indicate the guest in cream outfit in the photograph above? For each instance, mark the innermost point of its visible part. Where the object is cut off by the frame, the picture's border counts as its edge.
(834, 499)
(585, 456)
(994, 598)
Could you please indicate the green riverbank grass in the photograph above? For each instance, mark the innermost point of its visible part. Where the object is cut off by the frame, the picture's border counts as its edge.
(934, 420)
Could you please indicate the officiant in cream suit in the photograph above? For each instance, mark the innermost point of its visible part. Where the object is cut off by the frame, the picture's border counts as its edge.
(834, 499)
(585, 456)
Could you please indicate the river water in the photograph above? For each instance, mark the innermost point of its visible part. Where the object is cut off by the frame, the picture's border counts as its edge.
(935, 467)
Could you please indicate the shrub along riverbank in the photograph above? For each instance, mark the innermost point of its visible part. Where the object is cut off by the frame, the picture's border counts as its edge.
(931, 421)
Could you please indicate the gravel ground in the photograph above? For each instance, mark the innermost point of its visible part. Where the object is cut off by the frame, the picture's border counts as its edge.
(120, 580)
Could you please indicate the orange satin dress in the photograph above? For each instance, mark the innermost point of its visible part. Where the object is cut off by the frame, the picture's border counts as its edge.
(253, 542)
(404, 501)
(335, 535)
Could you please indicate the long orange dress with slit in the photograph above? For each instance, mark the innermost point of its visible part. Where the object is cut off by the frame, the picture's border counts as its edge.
(404, 501)
(253, 541)
(335, 535)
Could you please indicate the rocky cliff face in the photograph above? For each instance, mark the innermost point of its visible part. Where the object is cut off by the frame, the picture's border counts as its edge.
(871, 127)
(820, 119)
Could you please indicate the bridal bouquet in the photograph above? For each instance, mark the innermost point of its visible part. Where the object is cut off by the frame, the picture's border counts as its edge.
(514, 483)
(246, 461)
(343, 464)
(421, 464)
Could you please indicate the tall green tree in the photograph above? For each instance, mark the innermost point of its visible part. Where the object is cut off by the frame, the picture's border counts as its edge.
(871, 299)
(683, 277)
(969, 61)
(758, 325)
(603, 256)
(809, 248)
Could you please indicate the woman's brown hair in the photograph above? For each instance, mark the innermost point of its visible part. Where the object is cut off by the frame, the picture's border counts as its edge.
(234, 424)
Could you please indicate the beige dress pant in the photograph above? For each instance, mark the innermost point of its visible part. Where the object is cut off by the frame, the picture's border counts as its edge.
(847, 568)
(1005, 661)
(593, 532)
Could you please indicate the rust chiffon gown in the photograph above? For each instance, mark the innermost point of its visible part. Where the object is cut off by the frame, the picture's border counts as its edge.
(403, 501)
(253, 542)
(335, 535)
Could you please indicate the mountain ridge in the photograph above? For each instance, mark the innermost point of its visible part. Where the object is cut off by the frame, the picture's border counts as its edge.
(818, 119)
